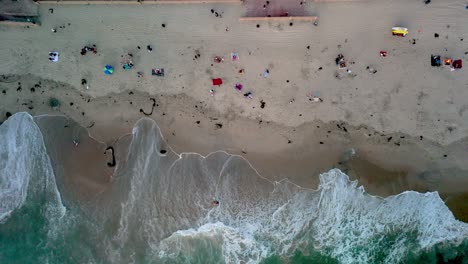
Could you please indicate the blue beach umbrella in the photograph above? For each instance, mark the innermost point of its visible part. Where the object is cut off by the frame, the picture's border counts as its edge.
(108, 70)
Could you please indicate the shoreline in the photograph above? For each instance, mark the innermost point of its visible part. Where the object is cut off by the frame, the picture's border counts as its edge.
(418, 165)
(405, 120)
(235, 131)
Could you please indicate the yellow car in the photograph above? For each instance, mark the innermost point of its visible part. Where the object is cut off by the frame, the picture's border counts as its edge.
(399, 31)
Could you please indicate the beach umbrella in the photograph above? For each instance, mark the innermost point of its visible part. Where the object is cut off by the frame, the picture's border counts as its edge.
(108, 70)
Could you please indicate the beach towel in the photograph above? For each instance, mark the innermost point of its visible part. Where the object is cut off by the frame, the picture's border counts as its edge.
(457, 64)
(217, 81)
(53, 56)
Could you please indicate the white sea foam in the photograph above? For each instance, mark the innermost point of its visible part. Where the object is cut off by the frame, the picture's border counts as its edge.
(14, 178)
(349, 218)
(25, 168)
(257, 217)
(339, 219)
(236, 246)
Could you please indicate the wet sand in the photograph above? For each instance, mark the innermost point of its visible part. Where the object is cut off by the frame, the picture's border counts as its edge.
(277, 152)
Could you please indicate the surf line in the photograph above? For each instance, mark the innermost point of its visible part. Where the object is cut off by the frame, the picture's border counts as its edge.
(152, 108)
(111, 164)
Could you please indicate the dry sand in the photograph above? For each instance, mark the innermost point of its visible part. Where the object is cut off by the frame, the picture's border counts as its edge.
(423, 109)
(405, 95)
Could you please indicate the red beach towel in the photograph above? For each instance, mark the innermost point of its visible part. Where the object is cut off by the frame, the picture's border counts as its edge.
(217, 81)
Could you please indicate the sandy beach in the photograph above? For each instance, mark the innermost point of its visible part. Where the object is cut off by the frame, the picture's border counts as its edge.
(286, 111)
(407, 110)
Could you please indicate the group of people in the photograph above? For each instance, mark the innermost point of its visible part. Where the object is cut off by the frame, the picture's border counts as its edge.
(92, 49)
(54, 55)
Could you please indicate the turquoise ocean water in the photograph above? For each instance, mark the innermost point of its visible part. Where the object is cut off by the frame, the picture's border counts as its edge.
(158, 209)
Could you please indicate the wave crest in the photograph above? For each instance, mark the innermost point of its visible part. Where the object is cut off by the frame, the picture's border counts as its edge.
(25, 170)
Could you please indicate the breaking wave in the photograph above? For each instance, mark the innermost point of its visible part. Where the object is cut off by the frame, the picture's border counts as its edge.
(159, 209)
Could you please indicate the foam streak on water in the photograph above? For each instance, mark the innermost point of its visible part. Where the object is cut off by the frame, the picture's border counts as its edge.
(159, 209)
(31, 209)
(25, 167)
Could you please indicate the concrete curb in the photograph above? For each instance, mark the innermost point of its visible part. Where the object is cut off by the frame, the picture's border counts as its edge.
(146, 2)
(280, 19)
